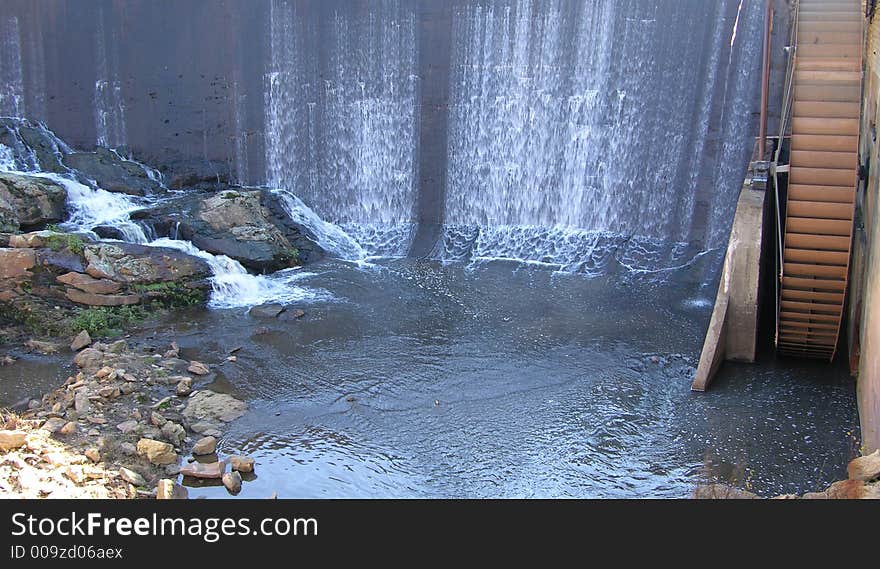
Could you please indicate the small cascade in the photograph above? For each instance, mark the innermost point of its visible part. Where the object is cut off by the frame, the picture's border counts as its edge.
(109, 101)
(329, 236)
(11, 78)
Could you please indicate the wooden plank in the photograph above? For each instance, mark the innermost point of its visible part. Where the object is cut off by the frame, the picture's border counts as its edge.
(809, 317)
(840, 258)
(824, 159)
(820, 210)
(822, 176)
(823, 109)
(819, 226)
(813, 284)
(832, 194)
(843, 93)
(808, 270)
(810, 125)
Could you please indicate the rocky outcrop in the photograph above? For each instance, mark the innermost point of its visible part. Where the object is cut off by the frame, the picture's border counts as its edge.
(113, 173)
(248, 225)
(29, 202)
(33, 146)
(141, 265)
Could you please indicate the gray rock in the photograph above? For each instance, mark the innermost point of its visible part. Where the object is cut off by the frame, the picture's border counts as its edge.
(81, 341)
(213, 407)
(174, 433)
(127, 427)
(89, 358)
(132, 477)
(205, 446)
(33, 201)
(81, 402)
(232, 482)
(54, 424)
(266, 311)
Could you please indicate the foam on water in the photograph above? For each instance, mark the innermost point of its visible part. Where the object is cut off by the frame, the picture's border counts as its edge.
(234, 287)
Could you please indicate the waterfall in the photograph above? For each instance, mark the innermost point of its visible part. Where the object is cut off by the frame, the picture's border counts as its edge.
(11, 80)
(341, 128)
(109, 101)
(567, 124)
(329, 236)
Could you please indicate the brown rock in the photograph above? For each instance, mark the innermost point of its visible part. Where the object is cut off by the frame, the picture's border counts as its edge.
(184, 388)
(81, 341)
(89, 284)
(10, 440)
(865, 468)
(89, 358)
(93, 454)
(156, 452)
(33, 240)
(16, 263)
(202, 470)
(204, 446)
(54, 424)
(170, 490)
(241, 463)
(132, 477)
(68, 429)
(90, 299)
(232, 482)
(198, 368)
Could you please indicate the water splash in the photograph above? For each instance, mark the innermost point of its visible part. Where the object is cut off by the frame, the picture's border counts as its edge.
(329, 236)
(234, 287)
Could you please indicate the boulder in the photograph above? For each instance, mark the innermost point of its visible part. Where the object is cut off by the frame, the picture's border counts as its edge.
(865, 468)
(132, 477)
(89, 284)
(11, 440)
(34, 201)
(174, 433)
(204, 470)
(82, 340)
(266, 310)
(8, 219)
(138, 264)
(112, 172)
(156, 452)
(32, 144)
(89, 358)
(198, 368)
(90, 299)
(241, 463)
(232, 482)
(16, 263)
(213, 407)
(205, 446)
(170, 490)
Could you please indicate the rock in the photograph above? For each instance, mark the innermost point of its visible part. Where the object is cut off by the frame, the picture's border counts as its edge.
(16, 263)
(81, 402)
(8, 219)
(232, 359)
(205, 428)
(82, 340)
(118, 347)
(54, 424)
(11, 440)
(89, 358)
(142, 265)
(104, 372)
(93, 454)
(184, 388)
(7, 361)
(232, 482)
(89, 299)
(722, 492)
(111, 392)
(68, 429)
(45, 348)
(89, 284)
(127, 449)
(156, 452)
(173, 353)
(132, 477)
(112, 172)
(170, 490)
(204, 446)
(127, 427)
(174, 433)
(211, 406)
(865, 468)
(34, 201)
(198, 368)
(204, 470)
(296, 313)
(157, 419)
(266, 311)
(241, 463)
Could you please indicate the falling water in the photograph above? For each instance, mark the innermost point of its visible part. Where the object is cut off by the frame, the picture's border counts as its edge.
(346, 141)
(11, 81)
(109, 102)
(565, 127)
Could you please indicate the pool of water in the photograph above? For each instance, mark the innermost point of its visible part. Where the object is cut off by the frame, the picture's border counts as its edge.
(424, 379)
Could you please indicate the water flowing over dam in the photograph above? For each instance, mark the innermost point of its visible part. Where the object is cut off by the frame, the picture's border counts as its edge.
(516, 211)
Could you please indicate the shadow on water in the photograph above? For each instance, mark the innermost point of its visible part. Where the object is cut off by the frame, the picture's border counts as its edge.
(426, 379)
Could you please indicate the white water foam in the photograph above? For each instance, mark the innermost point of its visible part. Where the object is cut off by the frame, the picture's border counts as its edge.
(329, 236)
(234, 287)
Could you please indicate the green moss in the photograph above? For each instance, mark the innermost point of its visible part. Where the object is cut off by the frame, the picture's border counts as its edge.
(291, 255)
(230, 195)
(59, 241)
(106, 321)
(171, 294)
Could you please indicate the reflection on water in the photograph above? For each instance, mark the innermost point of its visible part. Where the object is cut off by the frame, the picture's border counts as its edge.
(443, 380)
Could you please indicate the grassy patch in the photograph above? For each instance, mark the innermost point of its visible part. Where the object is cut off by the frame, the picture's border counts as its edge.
(59, 241)
(291, 256)
(171, 294)
(106, 321)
